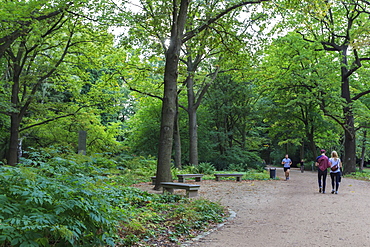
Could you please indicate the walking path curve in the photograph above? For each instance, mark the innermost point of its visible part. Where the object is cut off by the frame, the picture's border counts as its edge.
(289, 213)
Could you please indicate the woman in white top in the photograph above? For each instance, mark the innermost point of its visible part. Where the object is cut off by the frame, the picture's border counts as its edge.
(335, 165)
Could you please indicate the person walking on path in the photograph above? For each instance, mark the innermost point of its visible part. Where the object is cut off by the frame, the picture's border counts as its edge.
(322, 162)
(302, 165)
(287, 163)
(335, 166)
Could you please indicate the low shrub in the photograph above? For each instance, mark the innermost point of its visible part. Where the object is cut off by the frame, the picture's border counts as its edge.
(42, 207)
(241, 167)
(173, 222)
(202, 168)
(362, 175)
(205, 168)
(61, 202)
(256, 175)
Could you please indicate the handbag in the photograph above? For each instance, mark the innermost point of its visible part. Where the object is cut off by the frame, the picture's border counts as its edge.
(335, 167)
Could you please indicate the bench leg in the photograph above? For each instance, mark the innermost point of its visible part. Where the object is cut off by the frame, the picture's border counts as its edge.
(153, 181)
(191, 193)
(167, 190)
(238, 179)
(181, 180)
(198, 179)
(217, 179)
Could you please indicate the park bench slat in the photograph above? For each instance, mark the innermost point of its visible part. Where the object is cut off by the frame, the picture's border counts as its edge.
(238, 176)
(191, 189)
(181, 177)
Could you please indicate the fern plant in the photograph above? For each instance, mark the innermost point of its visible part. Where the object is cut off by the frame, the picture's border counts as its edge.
(39, 208)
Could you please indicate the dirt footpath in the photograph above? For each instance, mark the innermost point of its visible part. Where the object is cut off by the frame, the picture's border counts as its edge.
(289, 213)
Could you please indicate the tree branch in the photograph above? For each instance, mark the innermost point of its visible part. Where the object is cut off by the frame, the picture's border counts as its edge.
(52, 119)
(199, 29)
(360, 95)
(205, 88)
(148, 94)
(141, 92)
(9, 39)
(47, 75)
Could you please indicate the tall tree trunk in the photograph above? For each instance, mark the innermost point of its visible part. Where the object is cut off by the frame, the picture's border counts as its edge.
(193, 128)
(167, 120)
(349, 160)
(12, 154)
(193, 105)
(302, 151)
(193, 134)
(177, 141)
(170, 94)
(311, 142)
(15, 117)
(363, 151)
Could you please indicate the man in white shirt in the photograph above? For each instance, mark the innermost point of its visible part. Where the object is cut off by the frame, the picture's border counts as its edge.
(287, 163)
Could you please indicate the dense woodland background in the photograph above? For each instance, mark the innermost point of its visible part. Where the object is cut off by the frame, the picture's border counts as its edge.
(228, 83)
(186, 81)
(253, 81)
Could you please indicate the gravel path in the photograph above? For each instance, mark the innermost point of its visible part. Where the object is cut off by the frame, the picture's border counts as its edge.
(288, 213)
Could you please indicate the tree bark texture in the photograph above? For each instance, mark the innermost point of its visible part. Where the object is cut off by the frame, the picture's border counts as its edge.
(177, 141)
(15, 117)
(349, 160)
(310, 130)
(193, 128)
(12, 154)
(363, 151)
(170, 94)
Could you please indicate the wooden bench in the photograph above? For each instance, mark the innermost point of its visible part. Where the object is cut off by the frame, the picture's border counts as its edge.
(238, 176)
(191, 189)
(198, 177)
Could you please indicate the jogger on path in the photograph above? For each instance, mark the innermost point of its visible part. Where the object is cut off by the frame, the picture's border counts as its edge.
(287, 163)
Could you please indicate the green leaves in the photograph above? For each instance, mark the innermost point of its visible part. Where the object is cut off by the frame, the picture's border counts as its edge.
(66, 202)
(38, 208)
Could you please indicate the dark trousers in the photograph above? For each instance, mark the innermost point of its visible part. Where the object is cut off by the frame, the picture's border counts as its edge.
(322, 174)
(335, 176)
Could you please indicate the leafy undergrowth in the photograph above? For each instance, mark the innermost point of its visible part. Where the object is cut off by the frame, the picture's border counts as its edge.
(168, 220)
(361, 175)
(67, 202)
(88, 201)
